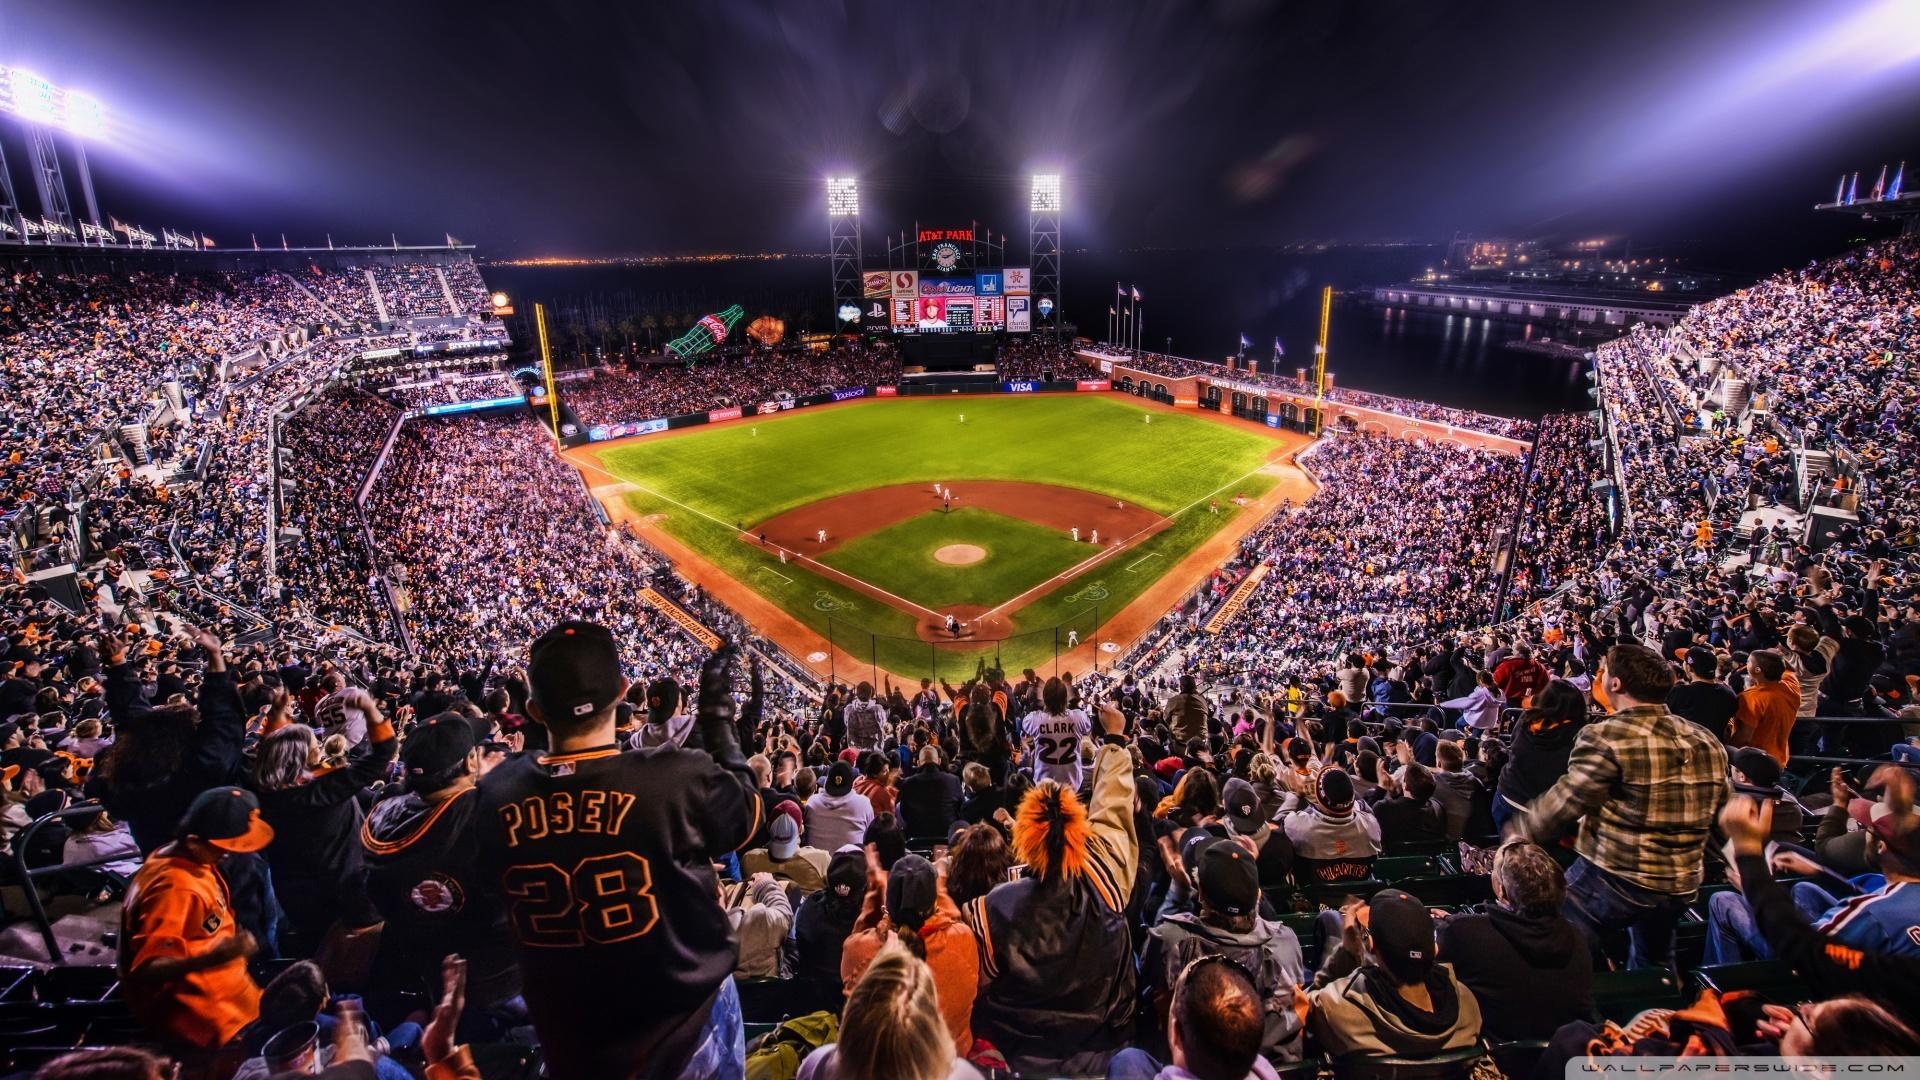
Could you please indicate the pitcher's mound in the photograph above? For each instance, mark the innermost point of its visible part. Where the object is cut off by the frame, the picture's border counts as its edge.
(960, 554)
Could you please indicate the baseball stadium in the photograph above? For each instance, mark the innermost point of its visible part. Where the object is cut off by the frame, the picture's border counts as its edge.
(660, 543)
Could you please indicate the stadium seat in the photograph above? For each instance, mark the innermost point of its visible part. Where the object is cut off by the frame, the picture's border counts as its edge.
(769, 1001)
(1449, 890)
(1621, 995)
(1397, 868)
(1421, 847)
(1771, 979)
(1334, 893)
(1452, 1065)
(1517, 1057)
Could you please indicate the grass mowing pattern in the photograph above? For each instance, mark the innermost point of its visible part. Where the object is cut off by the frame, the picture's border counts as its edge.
(900, 558)
(1096, 442)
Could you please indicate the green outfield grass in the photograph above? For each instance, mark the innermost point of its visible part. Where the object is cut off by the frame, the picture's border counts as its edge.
(900, 558)
(711, 481)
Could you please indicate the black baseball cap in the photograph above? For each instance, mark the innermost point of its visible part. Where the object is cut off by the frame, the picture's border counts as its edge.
(435, 747)
(573, 671)
(1334, 789)
(227, 818)
(1757, 765)
(1402, 930)
(1243, 806)
(840, 778)
(663, 699)
(847, 875)
(1228, 880)
(913, 888)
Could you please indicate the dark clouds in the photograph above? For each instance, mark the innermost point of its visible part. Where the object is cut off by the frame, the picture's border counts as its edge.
(564, 126)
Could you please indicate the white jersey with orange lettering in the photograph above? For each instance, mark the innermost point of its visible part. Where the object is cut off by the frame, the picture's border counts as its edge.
(1055, 744)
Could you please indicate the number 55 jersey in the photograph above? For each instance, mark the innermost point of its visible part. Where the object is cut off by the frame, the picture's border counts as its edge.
(603, 859)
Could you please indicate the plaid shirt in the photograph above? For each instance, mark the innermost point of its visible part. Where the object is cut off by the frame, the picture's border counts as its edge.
(1646, 786)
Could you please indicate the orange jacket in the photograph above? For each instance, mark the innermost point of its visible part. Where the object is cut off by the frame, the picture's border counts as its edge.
(1765, 717)
(951, 953)
(177, 908)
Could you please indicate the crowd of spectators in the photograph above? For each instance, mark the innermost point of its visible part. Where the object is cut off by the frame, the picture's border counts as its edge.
(1564, 525)
(447, 390)
(739, 378)
(1175, 367)
(329, 448)
(1358, 821)
(409, 289)
(1396, 547)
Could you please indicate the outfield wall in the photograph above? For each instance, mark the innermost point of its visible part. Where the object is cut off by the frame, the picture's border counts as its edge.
(608, 432)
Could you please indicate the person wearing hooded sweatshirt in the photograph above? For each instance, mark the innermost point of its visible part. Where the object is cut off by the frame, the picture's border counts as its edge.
(910, 904)
(1542, 742)
(666, 724)
(1055, 956)
(1528, 967)
(1333, 840)
(837, 815)
(1228, 924)
(1383, 994)
(422, 853)
(163, 758)
(814, 947)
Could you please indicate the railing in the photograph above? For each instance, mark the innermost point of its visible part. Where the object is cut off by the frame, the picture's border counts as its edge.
(31, 877)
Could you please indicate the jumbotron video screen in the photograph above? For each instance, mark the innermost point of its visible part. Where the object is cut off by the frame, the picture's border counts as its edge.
(948, 291)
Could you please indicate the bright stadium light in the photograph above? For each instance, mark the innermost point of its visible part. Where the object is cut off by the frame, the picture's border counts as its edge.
(1046, 193)
(38, 101)
(843, 196)
(34, 97)
(84, 116)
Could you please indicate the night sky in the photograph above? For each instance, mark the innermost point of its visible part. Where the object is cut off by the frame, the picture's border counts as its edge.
(566, 127)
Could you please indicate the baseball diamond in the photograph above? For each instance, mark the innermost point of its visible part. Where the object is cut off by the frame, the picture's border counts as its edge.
(851, 504)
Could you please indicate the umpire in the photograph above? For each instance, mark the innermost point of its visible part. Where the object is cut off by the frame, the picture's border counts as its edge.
(604, 858)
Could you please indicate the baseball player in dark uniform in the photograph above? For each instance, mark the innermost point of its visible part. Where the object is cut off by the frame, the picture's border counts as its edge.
(604, 859)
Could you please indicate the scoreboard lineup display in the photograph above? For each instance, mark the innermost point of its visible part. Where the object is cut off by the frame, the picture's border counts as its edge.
(947, 292)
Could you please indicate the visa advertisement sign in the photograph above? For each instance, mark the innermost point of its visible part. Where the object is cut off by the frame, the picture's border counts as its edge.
(1022, 386)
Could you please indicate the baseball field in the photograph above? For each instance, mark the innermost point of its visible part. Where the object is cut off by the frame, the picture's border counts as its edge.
(884, 526)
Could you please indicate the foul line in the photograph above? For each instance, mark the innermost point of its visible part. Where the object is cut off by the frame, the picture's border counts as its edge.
(811, 563)
(775, 573)
(1141, 559)
(1082, 567)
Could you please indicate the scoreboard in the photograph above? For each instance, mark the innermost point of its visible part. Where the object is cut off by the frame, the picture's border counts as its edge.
(946, 292)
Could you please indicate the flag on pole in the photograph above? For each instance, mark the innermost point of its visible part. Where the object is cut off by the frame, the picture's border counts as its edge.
(255, 237)
(1840, 192)
(451, 242)
(1898, 174)
(1279, 350)
(1244, 343)
(1111, 311)
(396, 240)
(283, 242)
(329, 241)
(206, 241)
(1136, 294)
(1880, 185)
(1853, 189)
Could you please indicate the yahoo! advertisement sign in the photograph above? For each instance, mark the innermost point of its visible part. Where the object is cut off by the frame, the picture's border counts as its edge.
(850, 393)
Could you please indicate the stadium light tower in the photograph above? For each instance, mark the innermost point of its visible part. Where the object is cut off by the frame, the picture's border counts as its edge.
(42, 107)
(843, 248)
(1043, 231)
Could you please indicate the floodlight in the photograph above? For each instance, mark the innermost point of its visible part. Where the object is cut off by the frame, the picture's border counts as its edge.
(34, 98)
(499, 300)
(1046, 193)
(84, 116)
(843, 196)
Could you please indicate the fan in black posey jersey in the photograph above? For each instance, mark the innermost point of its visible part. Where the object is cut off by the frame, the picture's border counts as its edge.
(605, 859)
(1053, 735)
